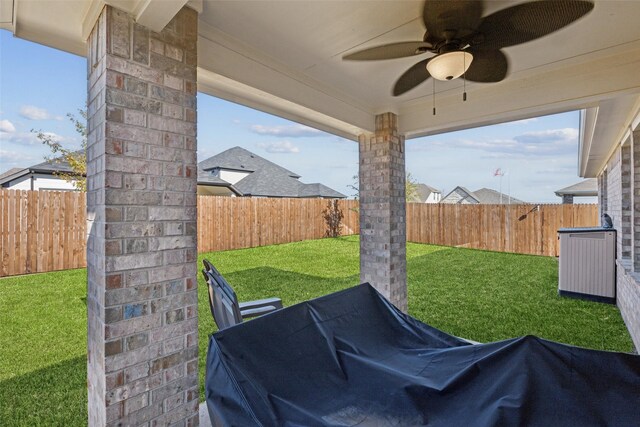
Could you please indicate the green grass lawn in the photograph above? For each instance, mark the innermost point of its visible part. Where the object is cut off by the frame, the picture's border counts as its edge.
(484, 296)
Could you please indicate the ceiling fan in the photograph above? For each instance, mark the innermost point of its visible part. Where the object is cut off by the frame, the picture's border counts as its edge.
(466, 43)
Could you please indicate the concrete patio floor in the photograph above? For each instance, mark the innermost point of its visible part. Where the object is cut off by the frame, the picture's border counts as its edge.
(204, 415)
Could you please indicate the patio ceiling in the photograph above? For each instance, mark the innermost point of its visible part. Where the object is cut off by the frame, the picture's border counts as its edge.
(285, 57)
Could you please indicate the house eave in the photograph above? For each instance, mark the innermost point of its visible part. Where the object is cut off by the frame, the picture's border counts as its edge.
(16, 175)
(220, 184)
(576, 193)
(603, 128)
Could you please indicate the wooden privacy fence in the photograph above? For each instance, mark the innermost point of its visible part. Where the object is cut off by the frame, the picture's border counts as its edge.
(244, 222)
(527, 229)
(44, 231)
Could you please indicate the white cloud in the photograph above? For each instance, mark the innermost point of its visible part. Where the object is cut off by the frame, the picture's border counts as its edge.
(12, 157)
(6, 126)
(288, 131)
(27, 138)
(35, 113)
(279, 147)
(549, 143)
(566, 135)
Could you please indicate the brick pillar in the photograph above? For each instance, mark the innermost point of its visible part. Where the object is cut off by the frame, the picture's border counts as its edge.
(383, 210)
(567, 199)
(141, 203)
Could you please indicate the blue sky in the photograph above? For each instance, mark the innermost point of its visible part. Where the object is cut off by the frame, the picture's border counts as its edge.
(40, 85)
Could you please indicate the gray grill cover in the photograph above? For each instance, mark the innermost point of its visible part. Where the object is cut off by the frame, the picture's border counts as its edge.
(351, 358)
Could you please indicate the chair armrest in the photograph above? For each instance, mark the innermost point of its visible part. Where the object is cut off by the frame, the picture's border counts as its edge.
(257, 311)
(274, 302)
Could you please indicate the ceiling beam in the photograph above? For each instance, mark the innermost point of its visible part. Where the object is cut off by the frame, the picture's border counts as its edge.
(245, 76)
(6, 14)
(230, 90)
(156, 14)
(153, 14)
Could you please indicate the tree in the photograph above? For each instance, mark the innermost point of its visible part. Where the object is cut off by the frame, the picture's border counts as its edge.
(333, 217)
(411, 188)
(77, 159)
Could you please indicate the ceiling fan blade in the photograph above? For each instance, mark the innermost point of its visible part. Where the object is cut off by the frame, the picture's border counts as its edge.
(411, 78)
(529, 21)
(389, 51)
(488, 66)
(460, 17)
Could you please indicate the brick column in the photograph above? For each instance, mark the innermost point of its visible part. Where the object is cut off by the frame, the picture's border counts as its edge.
(383, 210)
(141, 203)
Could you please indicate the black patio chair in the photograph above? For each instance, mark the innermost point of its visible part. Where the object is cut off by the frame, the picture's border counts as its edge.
(223, 301)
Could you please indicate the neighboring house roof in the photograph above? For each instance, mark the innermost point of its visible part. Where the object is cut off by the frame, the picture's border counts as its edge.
(48, 167)
(237, 158)
(319, 190)
(463, 192)
(424, 191)
(12, 171)
(588, 187)
(265, 178)
(205, 178)
(469, 193)
(55, 165)
(266, 183)
(485, 196)
(488, 196)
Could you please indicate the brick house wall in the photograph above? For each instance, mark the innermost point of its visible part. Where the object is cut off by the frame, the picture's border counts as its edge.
(618, 196)
(614, 194)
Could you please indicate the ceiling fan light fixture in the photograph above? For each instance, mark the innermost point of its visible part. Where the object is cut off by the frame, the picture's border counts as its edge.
(450, 65)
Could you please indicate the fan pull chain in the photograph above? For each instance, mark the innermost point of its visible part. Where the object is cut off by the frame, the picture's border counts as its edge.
(464, 78)
(434, 96)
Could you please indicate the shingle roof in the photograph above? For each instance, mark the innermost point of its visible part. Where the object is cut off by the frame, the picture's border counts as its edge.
(10, 172)
(319, 190)
(266, 179)
(57, 164)
(588, 187)
(465, 190)
(424, 190)
(488, 196)
(266, 183)
(237, 158)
